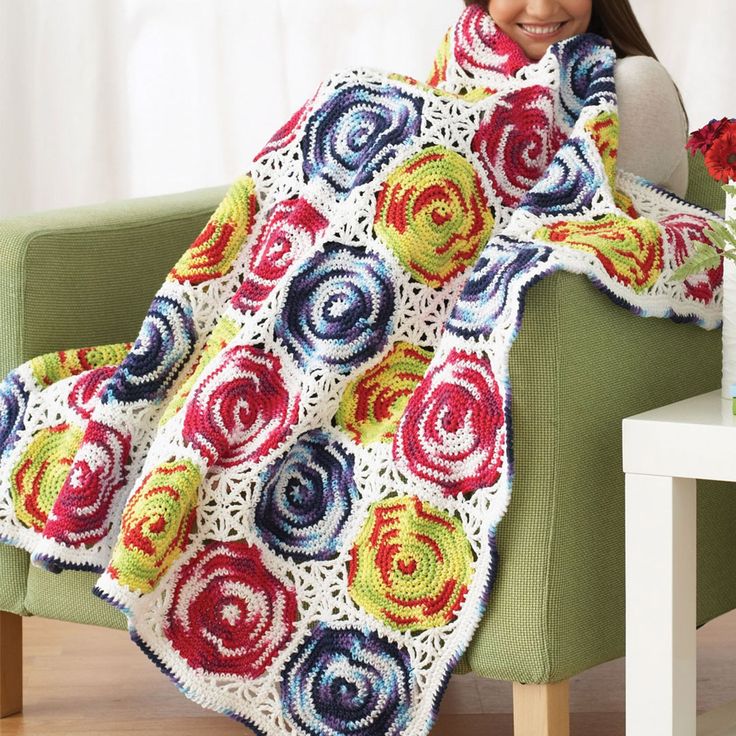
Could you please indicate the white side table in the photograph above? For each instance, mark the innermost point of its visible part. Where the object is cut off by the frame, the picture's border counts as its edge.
(664, 451)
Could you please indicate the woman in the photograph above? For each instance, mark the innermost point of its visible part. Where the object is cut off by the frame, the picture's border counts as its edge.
(652, 118)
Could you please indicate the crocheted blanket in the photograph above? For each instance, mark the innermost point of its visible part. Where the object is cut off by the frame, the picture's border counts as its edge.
(291, 481)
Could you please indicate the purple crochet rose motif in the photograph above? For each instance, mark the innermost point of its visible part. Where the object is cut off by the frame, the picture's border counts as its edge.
(162, 348)
(356, 132)
(13, 401)
(307, 498)
(348, 681)
(497, 285)
(339, 308)
(586, 73)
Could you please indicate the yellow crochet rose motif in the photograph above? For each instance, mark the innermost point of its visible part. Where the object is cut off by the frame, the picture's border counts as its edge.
(215, 249)
(39, 474)
(631, 251)
(156, 524)
(433, 214)
(372, 404)
(411, 564)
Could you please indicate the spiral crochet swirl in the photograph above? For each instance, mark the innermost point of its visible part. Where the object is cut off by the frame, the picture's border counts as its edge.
(432, 212)
(410, 565)
(348, 681)
(452, 433)
(306, 499)
(13, 401)
(40, 471)
(156, 524)
(240, 412)
(356, 132)
(338, 310)
(229, 614)
(163, 346)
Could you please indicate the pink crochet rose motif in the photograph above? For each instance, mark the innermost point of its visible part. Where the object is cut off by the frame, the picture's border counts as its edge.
(452, 432)
(517, 140)
(229, 614)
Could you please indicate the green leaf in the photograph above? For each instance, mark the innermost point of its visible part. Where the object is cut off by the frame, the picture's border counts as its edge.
(704, 258)
(729, 189)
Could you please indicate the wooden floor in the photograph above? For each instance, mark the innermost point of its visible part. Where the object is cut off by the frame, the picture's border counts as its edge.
(89, 680)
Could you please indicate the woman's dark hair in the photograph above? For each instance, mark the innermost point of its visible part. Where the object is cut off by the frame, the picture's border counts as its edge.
(615, 20)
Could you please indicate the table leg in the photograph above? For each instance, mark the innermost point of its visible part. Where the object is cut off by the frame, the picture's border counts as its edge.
(660, 606)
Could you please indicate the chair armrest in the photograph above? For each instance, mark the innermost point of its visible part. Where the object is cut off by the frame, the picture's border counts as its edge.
(85, 276)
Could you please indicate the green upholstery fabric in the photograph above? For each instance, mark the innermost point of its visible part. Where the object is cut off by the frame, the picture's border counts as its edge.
(68, 597)
(579, 365)
(13, 577)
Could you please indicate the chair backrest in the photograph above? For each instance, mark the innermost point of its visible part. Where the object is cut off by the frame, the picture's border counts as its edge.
(702, 188)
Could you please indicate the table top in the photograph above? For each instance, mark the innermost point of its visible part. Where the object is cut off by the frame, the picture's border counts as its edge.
(693, 438)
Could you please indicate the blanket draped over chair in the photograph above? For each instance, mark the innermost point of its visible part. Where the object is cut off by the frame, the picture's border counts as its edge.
(291, 481)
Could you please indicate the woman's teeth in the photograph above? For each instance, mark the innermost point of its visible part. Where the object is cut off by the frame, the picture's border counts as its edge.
(541, 30)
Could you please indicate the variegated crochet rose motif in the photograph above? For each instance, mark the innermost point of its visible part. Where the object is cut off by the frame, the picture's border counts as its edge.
(516, 140)
(88, 389)
(411, 564)
(156, 524)
(40, 471)
(586, 73)
(163, 346)
(631, 251)
(479, 47)
(372, 404)
(215, 249)
(290, 230)
(339, 308)
(433, 214)
(49, 368)
(344, 680)
(307, 498)
(13, 402)
(453, 433)
(684, 232)
(570, 182)
(356, 132)
(242, 410)
(494, 289)
(81, 512)
(229, 614)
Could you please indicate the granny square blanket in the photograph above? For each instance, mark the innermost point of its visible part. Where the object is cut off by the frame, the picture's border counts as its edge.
(290, 483)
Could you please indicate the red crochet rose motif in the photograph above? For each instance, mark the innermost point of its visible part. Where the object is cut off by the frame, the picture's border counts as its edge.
(480, 45)
(292, 226)
(452, 432)
(286, 133)
(517, 140)
(229, 614)
(241, 410)
(80, 514)
(683, 233)
(87, 389)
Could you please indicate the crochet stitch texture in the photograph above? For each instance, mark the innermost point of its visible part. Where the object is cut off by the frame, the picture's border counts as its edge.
(291, 481)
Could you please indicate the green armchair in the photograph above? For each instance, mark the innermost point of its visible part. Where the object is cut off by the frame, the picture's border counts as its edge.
(85, 276)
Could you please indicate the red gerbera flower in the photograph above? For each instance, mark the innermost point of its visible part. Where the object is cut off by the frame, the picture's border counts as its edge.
(703, 138)
(720, 158)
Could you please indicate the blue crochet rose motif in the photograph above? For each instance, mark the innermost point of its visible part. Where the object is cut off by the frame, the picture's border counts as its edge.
(358, 130)
(348, 681)
(13, 401)
(586, 73)
(338, 310)
(306, 499)
(505, 270)
(570, 182)
(163, 346)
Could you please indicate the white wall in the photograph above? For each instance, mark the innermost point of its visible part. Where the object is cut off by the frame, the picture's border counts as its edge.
(106, 99)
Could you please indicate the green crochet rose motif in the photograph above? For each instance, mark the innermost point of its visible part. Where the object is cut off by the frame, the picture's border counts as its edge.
(411, 564)
(156, 524)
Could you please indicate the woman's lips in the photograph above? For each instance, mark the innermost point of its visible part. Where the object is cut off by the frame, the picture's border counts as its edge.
(541, 31)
